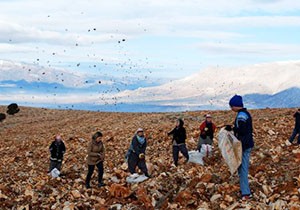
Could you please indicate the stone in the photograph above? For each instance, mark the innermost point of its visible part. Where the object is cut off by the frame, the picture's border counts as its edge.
(215, 197)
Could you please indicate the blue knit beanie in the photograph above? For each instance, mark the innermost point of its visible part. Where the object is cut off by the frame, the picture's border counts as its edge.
(236, 101)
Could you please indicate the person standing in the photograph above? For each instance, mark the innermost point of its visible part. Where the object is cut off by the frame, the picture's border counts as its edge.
(178, 140)
(96, 153)
(136, 153)
(243, 130)
(296, 128)
(57, 150)
(207, 129)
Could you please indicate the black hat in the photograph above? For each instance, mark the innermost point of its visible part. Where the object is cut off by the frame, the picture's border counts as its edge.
(96, 135)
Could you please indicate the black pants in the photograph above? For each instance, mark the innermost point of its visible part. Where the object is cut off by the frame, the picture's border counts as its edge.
(182, 148)
(91, 170)
(134, 161)
(55, 164)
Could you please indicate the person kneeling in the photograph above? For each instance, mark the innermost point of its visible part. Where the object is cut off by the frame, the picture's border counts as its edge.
(136, 153)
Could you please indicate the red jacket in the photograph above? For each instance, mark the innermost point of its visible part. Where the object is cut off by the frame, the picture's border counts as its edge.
(207, 129)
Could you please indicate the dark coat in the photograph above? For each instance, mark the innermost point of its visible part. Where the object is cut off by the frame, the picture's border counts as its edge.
(136, 147)
(179, 133)
(57, 150)
(243, 128)
(297, 121)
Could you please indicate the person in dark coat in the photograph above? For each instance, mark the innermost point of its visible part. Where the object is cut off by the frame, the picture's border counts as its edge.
(136, 153)
(178, 140)
(207, 129)
(96, 153)
(296, 128)
(57, 151)
(243, 130)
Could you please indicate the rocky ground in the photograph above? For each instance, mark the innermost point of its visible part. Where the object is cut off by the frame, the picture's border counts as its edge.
(25, 184)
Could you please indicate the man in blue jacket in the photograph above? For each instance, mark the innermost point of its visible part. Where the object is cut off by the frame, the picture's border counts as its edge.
(243, 130)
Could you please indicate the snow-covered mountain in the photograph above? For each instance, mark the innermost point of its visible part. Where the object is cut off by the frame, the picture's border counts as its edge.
(262, 85)
(15, 71)
(212, 87)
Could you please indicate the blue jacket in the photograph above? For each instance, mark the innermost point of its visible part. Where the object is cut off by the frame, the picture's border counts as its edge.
(243, 129)
(136, 147)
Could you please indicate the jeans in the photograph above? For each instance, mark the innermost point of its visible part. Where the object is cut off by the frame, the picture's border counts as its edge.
(182, 148)
(134, 161)
(294, 134)
(91, 170)
(243, 172)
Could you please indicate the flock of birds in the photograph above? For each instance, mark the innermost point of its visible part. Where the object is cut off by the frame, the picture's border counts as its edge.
(103, 70)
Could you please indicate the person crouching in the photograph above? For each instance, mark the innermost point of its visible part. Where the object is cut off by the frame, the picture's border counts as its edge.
(136, 153)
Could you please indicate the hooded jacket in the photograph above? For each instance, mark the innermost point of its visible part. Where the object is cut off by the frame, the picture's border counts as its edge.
(179, 133)
(95, 152)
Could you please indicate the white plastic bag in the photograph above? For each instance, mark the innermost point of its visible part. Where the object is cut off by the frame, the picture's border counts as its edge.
(55, 173)
(231, 149)
(136, 178)
(206, 150)
(196, 157)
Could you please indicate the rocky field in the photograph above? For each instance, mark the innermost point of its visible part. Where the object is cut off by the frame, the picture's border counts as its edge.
(25, 184)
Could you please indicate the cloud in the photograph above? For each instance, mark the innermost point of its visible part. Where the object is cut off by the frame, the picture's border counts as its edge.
(13, 48)
(4, 85)
(68, 23)
(41, 28)
(94, 98)
(250, 48)
(15, 33)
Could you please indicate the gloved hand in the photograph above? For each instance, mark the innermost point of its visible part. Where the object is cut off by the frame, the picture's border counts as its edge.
(142, 156)
(206, 129)
(228, 127)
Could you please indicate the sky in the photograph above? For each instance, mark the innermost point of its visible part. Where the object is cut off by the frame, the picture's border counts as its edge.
(156, 39)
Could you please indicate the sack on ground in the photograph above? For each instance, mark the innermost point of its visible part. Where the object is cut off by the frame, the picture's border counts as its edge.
(206, 150)
(231, 149)
(136, 178)
(55, 173)
(196, 157)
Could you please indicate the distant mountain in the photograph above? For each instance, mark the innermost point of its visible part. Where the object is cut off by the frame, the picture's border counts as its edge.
(35, 85)
(15, 71)
(286, 98)
(263, 85)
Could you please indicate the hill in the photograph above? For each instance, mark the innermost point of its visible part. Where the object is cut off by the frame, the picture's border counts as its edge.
(26, 136)
(212, 87)
(273, 85)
